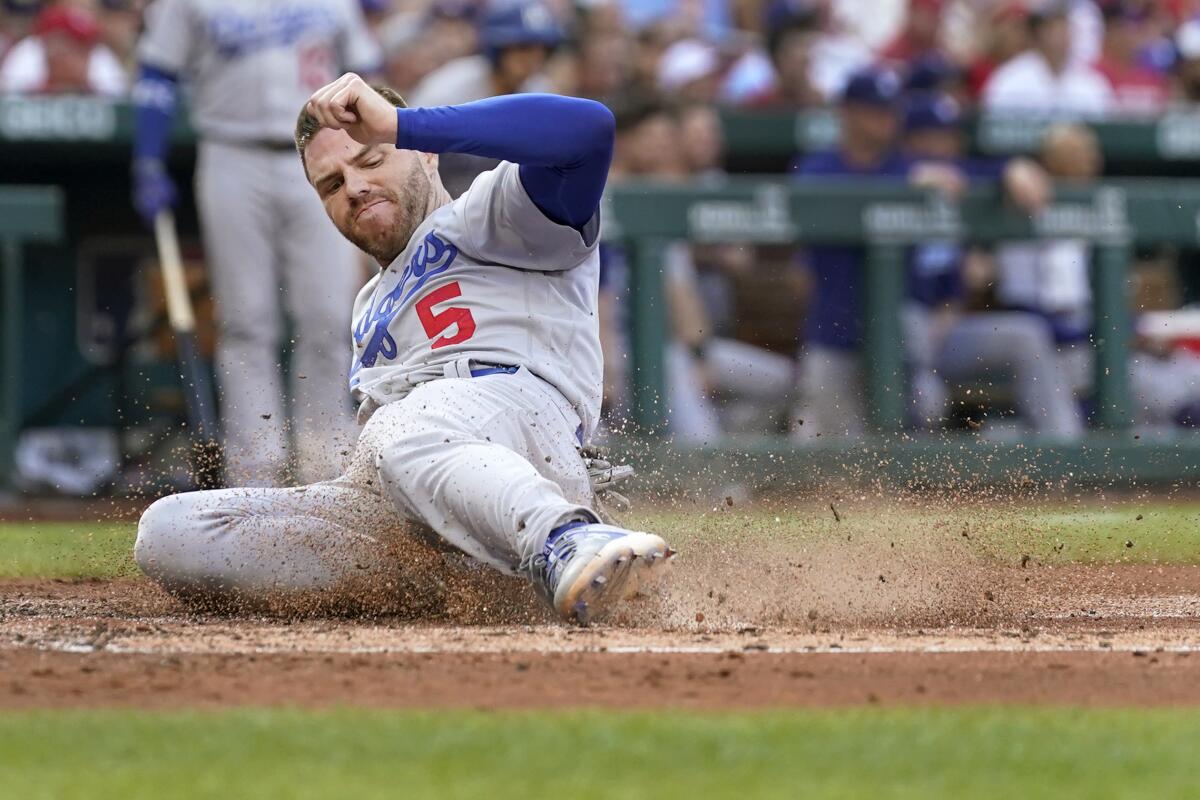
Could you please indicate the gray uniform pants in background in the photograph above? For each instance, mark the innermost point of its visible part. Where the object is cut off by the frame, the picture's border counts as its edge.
(1017, 346)
(1020, 347)
(1161, 387)
(271, 250)
(489, 464)
(750, 383)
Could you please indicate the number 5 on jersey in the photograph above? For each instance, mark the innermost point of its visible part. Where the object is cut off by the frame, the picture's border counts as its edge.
(437, 322)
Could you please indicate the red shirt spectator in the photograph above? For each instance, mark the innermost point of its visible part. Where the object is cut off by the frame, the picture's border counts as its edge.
(1137, 89)
(63, 56)
(1006, 34)
(921, 34)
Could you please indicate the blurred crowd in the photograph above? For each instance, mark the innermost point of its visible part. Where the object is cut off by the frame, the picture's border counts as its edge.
(903, 75)
(1098, 56)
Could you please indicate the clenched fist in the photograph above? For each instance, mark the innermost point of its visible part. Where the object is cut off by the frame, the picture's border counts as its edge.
(350, 104)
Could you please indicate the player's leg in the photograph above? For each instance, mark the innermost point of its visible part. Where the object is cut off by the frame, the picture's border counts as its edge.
(320, 274)
(691, 415)
(317, 544)
(1163, 388)
(757, 382)
(1021, 345)
(235, 215)
(491, 465)
(830, 391)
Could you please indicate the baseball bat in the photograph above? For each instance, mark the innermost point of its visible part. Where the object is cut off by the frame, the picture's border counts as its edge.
(197, 387)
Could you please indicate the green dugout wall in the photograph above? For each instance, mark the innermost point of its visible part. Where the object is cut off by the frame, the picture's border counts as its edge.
(886, 219)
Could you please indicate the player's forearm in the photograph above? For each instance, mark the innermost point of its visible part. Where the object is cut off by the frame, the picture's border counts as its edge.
(563, 144)
(154, 98)
(542, 130)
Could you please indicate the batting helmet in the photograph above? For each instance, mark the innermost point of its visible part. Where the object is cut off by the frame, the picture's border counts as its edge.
(512, 23)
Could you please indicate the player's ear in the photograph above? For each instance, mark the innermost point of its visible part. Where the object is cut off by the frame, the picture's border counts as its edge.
(429, 162)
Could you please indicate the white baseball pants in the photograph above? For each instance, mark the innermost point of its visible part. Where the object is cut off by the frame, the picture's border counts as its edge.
(272, 254)
(490, 464)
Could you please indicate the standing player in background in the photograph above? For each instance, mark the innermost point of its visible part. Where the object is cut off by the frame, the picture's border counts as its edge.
(270, 250)
(477, 365)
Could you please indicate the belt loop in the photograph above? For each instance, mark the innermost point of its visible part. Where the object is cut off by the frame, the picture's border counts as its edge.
(459, 368)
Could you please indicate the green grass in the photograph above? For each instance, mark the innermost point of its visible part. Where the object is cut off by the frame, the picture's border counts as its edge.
(950, 753)
(66, 549)
(1167, 533)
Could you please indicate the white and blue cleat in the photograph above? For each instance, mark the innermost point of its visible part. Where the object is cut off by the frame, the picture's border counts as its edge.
(590, 568)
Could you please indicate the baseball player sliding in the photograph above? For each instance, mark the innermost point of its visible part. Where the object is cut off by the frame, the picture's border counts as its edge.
(476, 364)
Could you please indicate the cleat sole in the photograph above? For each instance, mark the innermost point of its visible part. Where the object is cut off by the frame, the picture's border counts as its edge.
(613, 574)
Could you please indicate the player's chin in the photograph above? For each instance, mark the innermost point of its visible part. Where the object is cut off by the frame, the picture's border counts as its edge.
(377, 219)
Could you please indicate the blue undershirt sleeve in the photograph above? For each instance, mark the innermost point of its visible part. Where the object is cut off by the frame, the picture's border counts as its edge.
(563, 145)
(154, 97)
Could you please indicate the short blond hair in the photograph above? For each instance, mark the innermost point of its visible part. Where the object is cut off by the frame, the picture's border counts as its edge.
(307, 125)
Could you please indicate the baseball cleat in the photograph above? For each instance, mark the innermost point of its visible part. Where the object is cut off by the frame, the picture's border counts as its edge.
(590, 568)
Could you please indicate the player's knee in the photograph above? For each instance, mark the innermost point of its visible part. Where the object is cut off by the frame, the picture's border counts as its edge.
(1025, 335)
(162, 535)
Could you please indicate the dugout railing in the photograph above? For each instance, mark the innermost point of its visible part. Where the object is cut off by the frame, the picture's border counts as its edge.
(1161, 145)
(887, 218)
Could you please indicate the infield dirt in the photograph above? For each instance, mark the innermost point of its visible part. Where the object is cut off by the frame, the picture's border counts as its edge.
(1074, 635)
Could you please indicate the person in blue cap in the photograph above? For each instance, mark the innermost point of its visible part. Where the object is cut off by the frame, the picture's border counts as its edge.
(830, 397)
(830, 378)
(945, 343)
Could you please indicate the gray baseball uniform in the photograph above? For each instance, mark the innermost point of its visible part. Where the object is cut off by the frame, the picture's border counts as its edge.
(272, 252)
(478, 365)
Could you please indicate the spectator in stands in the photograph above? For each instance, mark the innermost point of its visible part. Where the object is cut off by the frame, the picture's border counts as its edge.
(1044, 79)
(517, 38)
(1186, 83)
(702, 140)
(120, 24)
(830, 394)
(418, 41)
(791, 36)
(647, 142)
(921, 35)
(1052, 279)
(1136, 88)
(689, 70)
(831, 400)
(716, 383)
(603, 68)
(830, 53)
(944, 342)
(376, 12)
(711, 19)
(16, 21)
(934, 73)
(64, 55)
(1004, 35)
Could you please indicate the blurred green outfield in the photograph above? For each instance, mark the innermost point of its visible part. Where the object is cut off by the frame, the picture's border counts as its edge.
(942, 753)
(1167, 533)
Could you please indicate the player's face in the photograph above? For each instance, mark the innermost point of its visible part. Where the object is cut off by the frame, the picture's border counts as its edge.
(375, 195)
